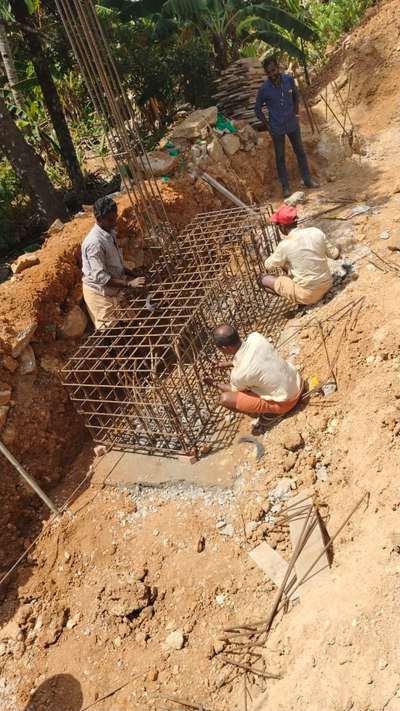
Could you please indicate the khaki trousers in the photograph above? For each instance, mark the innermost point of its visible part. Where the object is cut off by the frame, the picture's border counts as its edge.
(100, 307)
(286, 287)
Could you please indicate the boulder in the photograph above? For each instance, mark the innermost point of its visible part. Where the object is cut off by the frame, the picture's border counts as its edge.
(195, 124)
(175, 640)
(161, 163)
(230, 143)
(293, 441)
(125, 599)
(215, 151)
(24, 262)
(5, 393)
(27, 361)
(248, 137)
(21, 339)
(74, 324)
(50, 363)
(9, 363)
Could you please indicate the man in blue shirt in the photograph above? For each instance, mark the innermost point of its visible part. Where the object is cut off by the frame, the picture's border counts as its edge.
(280, 95)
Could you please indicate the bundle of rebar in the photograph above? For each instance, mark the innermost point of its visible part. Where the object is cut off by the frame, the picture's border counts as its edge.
(237, 90)
(119, 117)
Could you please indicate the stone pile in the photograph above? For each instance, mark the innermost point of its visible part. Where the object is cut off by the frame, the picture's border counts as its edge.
(237, 90)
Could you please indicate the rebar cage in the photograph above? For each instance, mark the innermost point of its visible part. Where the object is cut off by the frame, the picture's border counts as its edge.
(140, 383)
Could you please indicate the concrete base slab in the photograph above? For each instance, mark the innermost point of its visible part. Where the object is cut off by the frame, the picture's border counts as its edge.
(125, 469)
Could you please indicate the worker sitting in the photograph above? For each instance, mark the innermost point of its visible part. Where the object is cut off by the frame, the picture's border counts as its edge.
(104, 274)
(303, 255)
(261, 381)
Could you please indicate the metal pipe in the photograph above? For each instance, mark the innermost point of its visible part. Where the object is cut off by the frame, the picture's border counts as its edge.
(227, 193)
(29, 479)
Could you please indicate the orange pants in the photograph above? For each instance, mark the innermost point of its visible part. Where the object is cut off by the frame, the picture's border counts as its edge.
(251, 404)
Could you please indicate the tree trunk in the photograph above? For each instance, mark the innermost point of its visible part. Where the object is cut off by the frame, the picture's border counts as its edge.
(28, 167)
(52, 100)
(9, 66)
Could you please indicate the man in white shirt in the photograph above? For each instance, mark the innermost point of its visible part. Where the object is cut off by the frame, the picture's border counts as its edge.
(303, 254)
(261, 381)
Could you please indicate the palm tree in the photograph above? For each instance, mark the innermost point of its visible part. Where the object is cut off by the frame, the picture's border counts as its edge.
(230, 24)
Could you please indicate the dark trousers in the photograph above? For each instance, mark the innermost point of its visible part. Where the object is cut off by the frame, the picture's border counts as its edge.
(297, 145)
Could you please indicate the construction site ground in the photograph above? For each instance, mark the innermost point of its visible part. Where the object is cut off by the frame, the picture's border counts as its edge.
(86, 619)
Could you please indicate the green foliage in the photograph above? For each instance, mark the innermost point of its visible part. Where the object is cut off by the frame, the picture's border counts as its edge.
(336, 17)
(13, 205)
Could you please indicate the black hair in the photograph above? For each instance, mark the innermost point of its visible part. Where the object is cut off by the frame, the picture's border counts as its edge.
(226, 335)
(272, 59)
(103, 206)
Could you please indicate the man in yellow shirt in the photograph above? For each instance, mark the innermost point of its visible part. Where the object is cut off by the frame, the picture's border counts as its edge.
(303, 254)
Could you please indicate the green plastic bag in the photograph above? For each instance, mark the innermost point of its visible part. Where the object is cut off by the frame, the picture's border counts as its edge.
(223, 124)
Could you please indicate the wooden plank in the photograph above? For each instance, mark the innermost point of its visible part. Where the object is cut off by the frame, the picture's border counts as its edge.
(312, 548)
(270, 562)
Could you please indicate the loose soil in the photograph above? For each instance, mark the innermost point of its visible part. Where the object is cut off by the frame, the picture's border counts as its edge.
(87, 616)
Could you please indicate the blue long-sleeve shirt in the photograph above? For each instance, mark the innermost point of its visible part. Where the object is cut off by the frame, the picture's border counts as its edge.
(281, 101)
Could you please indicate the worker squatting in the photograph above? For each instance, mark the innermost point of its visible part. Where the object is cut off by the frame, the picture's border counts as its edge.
(261, 382)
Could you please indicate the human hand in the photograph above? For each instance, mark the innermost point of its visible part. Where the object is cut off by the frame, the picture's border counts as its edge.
(138, 283)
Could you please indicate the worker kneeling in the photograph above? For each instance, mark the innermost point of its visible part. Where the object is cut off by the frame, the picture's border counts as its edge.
(303, 255)
(261, 381)
(104, 274)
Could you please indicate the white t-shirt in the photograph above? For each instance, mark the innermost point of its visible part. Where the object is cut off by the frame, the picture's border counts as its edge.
(257, 366)
(305, 252)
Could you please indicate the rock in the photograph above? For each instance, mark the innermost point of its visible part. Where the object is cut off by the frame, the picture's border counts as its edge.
(200, 545)
(218, 646)
(56, 226)
(5, 393)
(254, 512)
(73, 621)
(127, 598)
(227, 530)
(175, 640)
(147, 613)
(10, 631)
(21, 339)
(282, 489)
(250, 527)
(75, 323)
(321, 472)
(3, 414)
(23, 614)
(215, 151)
(161, 163)
(9, 363)
(293, 441)
(8, 435)
(290, 461)
(194, 125)
(25, 261)
(230, 143)
(248, 137)
(27, 361)
(296, 199)
(53, 625)
(50, 364)
(100, 450)
(152, 674)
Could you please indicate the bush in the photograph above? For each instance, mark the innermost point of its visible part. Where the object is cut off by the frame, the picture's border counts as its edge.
(335, 18)
(12, 205)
